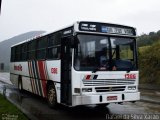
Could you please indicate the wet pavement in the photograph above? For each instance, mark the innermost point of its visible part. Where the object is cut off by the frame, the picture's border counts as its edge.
(36, 108)
(152, 96)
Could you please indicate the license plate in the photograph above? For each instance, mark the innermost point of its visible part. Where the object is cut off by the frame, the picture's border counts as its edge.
(110, 98)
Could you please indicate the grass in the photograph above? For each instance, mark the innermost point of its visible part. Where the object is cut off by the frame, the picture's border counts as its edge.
(10, 112)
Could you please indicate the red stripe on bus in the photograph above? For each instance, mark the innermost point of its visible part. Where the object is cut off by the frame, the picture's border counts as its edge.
(41, 86)
(45, 69)
(42, 75)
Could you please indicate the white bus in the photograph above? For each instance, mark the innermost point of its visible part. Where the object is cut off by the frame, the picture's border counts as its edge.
(83, 64)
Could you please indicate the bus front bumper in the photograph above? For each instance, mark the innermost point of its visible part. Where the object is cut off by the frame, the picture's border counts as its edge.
(105, 98)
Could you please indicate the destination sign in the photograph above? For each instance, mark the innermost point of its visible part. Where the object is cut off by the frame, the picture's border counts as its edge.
(106, 28)
(117, 30)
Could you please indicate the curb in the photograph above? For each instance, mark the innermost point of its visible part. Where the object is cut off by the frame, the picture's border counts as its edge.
(29, 116)
(3, 82)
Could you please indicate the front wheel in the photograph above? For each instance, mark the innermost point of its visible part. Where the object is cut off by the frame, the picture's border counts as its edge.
(51, 96)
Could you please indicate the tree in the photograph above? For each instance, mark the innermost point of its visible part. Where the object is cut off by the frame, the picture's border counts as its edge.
(152, 33)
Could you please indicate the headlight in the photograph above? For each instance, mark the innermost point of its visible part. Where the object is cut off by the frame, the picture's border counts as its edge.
(86, 89)
(131, 87)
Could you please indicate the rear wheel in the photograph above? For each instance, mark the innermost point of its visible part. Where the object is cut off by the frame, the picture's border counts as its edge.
(51, 96)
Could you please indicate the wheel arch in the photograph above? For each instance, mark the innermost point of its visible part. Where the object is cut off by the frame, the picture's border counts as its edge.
(50, 82)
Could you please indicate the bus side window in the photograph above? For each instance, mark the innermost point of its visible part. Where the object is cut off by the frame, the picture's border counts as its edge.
(54, 52)
(54, 47)
(41, 48)
(13, 54)
(17, 53)
(24, 52)
(31, 50)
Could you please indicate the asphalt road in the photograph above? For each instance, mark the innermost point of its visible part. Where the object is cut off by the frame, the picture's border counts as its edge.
(37, 109)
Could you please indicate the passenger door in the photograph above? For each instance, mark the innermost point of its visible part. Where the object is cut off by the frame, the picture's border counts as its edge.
(66, 58)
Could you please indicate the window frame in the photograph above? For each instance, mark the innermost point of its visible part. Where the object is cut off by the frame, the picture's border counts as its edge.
(41, 47)
(57, 38)
(31, 50)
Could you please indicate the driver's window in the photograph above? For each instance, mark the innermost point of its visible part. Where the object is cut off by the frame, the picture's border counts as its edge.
(122, 48)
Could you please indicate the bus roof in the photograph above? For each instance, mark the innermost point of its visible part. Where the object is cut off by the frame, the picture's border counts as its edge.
(92, 27)
(41, 35)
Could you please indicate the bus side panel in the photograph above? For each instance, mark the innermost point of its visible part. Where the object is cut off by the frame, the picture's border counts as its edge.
(14, 79)
(54, 73)
(26, 83)
(19, 69)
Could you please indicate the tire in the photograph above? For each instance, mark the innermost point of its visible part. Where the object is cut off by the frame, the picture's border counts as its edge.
(51, 96)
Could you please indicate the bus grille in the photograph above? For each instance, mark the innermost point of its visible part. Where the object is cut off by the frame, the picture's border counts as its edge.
(108, 82)
(109, 89)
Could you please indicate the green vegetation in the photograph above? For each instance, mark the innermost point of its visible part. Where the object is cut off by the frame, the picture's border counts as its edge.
(143, 49)
(147, 40)
(9, 112)
(149, 58)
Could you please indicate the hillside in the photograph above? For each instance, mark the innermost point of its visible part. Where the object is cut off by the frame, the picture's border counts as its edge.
(149, 64)
(148, 39)
(5, 46)
(149, 57)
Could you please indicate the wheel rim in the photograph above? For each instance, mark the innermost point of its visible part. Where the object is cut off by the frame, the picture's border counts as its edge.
(51, 96)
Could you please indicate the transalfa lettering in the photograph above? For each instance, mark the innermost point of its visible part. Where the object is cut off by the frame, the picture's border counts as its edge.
(18, 68)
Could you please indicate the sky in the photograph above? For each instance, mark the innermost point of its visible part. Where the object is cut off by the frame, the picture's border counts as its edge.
(20, 16)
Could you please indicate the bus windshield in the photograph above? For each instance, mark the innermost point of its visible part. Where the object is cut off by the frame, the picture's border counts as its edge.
(101, 53)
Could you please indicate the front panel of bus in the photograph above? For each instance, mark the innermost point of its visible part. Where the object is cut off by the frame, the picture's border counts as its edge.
(104, 69)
